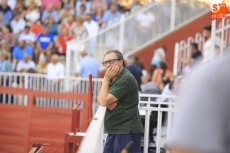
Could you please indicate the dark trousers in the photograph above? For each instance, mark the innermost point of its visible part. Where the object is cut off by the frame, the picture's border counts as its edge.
(115, 143)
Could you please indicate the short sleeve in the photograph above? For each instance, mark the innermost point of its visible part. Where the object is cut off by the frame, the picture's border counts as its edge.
(119, 89)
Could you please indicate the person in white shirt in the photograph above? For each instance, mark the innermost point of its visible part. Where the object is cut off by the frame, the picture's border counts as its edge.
(92, 29)
(207, 48)
(55, 69)
(17, 24)
(25, 64)
(28, 36)
(159, 56)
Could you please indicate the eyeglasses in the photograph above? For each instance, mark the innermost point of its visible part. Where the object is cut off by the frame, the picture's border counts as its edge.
(109, 61)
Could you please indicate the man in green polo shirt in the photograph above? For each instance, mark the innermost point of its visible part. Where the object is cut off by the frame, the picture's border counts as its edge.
(119, 93)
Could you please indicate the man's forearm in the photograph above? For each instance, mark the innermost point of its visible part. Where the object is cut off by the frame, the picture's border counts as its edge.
(104, 92)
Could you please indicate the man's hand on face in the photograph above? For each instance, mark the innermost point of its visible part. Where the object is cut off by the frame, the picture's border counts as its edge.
(112, 72)
(112, 106)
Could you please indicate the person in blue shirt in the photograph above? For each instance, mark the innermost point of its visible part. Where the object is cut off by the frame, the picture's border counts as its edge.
(21, 49)
(111, 15)
(88, 65)
(44, 44)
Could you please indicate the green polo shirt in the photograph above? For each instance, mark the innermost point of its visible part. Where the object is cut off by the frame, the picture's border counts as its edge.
(125, 117)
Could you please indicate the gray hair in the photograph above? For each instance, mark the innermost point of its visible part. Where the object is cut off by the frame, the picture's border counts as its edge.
(118, 54)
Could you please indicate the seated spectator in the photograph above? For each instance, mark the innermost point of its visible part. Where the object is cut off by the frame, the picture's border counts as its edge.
(98, 16)
(92, 30)
(17, 24)
(8, 36)
(55, 69)
(44, 44)
(32, 13)
(161, 76)
(195, 55)
(42, 66)
(52, 26)
(36, 28)
(46, 4)
(20, 9)
(87, 4)
(28, 36)
(5, 65)
(80, 30)
(88, 65)
(112, 14)
(82, 13)
(136, 5)
(50, 11)
(65, 12)
(99, 4)
(65, 2)
(11, 4)
(2, 21)
(4, 49)
(61, 42)
(25, 64)
(70, 25)
(159, 56)
(7, 13)
(21, 49)
(38, 3)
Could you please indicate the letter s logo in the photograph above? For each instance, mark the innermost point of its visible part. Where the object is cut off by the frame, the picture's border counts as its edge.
(215, 8)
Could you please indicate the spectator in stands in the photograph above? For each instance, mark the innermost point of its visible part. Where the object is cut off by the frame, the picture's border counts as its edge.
(65, 12)
(25, 64)
(70, 25)
(82, 13)
(7, 13)
(44, 44)
(36, 28)
(4, 49)
(136, 5)
(17, 24)
(55, 69)
(21, 49)
(52, 26)
(207, 51)
(98, 16)
(88, 65)
(50, 11)
(5, 65)
(112, 14)
(145, 22)
(61, 42)
(32, 13)
(134, 70)
(161, 76)
(92, 30)
(99, 4)
(20, 9)
(42, 66)
(80, 30)
(37, 2)
(47, 3)
(8, 36)
(87, 4)
(195, 55)
(66, 2)
(2, 21)
(28, 36)
(159, 56)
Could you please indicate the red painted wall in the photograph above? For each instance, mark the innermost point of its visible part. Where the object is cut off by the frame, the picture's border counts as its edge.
(169, 41)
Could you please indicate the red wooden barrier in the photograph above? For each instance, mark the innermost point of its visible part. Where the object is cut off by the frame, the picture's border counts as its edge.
(21, 126)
